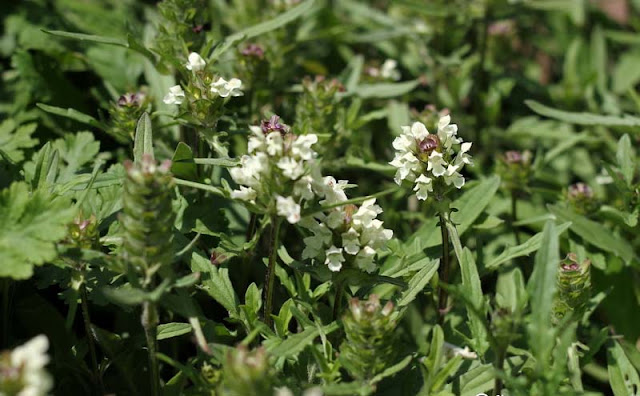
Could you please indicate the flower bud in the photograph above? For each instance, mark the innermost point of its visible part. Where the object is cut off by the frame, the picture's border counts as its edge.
(246, 372)
(124, 114)
(369, 345)
(581, 198)
(514, 167)
(574, 288)
(83, 232)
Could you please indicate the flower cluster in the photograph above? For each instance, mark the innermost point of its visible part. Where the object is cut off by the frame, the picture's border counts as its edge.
(280, 167)
(387, 71)
(213, 89)
(22, 371)
(347, 235)
(428, 159)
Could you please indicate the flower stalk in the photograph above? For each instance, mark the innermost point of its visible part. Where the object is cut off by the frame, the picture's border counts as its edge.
(444, 269)
(269, 278)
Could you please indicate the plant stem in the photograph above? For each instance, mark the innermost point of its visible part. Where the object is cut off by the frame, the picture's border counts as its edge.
(514, 215)
(150, 324)
(444, 269)
(338, 299)
(498, 366)
(90, 337)
(271, 269)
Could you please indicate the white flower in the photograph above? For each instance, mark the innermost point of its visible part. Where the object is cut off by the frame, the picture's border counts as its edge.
(244, 193)
(364, 259)
(335, 219)
(274, 143)
(455, 350)
(288, 208)
(407, 165)
(447, 132)
(257, 141)
(226, 88)
(423, 187)
(366, 213)
(436, 164)
(291, 168)
(195, 63)
(301, 147)
(250, 170)
(333, 190)
(334, 258)
(389, 70)
(452, 176)
(30, 359)
(303, 187)
(350, 241)
(463, 158)
(375, 235)
(175, 95)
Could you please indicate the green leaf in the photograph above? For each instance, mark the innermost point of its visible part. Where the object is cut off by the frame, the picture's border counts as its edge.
(595, 233)
(418, 282)
(394, 369)
(14, 139)
(625, 156)
(385, 90)
(279, 21)
(76, 151)
(74, 115)
(216, 282)
(623, 377)
(296, 343)
(542, 289)
(626, 73)
(174, 329)
(143, 141)
(182, 164)
(531, 245)
(473, 202)
(30, 225)
(583, 118)
(510, 291)
(472, 288)
(88, 37)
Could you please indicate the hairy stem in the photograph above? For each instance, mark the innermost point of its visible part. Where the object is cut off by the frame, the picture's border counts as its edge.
(270, 275)
(444, 269)
(90, 337)
(150, 324)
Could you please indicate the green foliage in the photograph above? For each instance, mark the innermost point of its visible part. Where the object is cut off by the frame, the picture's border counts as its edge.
(31, 225)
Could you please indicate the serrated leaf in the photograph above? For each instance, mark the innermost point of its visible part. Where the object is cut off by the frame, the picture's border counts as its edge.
(595, 233)
(76, 151)
(30, 225)
(582, 118)
(216, 282)
(14, 139)
(623, 377)
(143, 141)
(174, 329)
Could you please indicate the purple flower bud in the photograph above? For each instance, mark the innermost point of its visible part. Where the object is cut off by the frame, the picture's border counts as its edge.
(272, 125)
(513, 157)
(131, 99)
(253, 50)
(430, 143)
(580, 191)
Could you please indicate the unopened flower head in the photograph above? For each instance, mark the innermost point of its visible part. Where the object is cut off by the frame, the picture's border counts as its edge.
(253, 51)
(581, 198)
(195, 62)
(135, 99)
(430, 160)
(22, 370)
